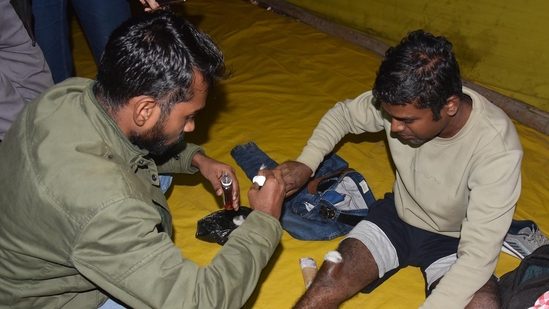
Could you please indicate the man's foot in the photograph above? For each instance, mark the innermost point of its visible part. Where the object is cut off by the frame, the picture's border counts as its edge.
(523, 238)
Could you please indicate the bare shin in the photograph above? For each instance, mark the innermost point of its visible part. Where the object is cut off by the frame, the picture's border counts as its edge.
(340, 280)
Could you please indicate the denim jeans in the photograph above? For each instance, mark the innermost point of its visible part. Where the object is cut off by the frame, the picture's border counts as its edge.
(111, 304)
(165, 182)
(51, 25)
(301, 217)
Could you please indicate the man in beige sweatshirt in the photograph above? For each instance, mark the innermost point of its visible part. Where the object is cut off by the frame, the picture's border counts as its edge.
(457, 159)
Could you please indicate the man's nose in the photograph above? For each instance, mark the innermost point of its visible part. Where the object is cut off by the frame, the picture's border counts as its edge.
(189, 126)
(397, 126)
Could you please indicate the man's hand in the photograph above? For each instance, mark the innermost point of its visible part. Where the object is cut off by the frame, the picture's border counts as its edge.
(270, 196)
(295, 175)
(212, 169)
(150, 5)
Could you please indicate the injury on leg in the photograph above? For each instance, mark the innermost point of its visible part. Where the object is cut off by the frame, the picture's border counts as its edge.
(333, 263)
(333, 256)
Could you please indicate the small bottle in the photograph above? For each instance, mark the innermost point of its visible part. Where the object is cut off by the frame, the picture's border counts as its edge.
(227, 185)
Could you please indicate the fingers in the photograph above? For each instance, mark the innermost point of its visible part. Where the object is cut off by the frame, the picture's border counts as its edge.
(269, 176)
(270, 196)
(213, 170)
(236, 190)
(150, 5)
(290, 192)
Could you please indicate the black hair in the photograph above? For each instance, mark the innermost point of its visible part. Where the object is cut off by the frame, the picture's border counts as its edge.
(421, 69)
(156, 54)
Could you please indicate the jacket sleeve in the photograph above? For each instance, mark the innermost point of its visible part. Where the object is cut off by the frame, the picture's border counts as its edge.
(495, 188)
(121, 252)
(181, 162)
(351, 116)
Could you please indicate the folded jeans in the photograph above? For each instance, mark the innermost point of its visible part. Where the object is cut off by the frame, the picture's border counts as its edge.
(328, 210)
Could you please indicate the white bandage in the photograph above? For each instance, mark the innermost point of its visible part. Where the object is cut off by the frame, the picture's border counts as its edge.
(333, 256)
(308, 270)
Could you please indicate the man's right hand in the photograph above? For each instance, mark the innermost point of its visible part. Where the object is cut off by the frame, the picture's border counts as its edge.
(295, 175)
(150, 5)
(270, 196)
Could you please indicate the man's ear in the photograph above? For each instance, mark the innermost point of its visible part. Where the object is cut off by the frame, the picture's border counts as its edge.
(452, 105)
(145, 109)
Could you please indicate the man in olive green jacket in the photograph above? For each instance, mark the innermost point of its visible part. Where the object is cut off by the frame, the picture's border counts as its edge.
(83, 217)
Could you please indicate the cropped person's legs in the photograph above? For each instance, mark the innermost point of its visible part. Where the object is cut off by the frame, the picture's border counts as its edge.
(51, 28)
(98, 19)
(24, 73)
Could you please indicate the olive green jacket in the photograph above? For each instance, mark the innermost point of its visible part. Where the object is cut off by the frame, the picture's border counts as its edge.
(82, 216)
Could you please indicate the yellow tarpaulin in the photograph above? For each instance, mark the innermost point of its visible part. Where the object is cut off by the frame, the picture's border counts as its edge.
(285, 75)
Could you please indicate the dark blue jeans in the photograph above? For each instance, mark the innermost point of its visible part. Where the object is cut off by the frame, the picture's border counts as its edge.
(51, 24)
(301, 214)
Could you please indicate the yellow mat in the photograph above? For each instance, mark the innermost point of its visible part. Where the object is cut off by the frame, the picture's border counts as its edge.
(285, 76)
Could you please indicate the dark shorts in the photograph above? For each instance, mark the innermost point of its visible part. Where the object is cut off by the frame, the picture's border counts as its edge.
(396, 244)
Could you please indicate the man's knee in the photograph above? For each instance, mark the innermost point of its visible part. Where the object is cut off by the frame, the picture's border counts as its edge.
(355, 253)
(357, 263)
(487, 297)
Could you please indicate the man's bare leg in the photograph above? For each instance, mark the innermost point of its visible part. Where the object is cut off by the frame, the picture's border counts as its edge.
(487, 297)
(337, 282)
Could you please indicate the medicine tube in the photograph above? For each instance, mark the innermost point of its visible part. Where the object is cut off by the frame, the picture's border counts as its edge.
(227, 185)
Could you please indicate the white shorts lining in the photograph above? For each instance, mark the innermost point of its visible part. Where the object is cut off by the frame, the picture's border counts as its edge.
(378, 243)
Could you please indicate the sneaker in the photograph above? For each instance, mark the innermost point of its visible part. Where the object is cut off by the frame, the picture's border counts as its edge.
(523, 238)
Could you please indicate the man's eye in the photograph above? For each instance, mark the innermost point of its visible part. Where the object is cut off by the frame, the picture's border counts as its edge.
(408, 121)
(189, 118)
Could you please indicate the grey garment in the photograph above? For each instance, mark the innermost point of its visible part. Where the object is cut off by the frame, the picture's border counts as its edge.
(24, 73)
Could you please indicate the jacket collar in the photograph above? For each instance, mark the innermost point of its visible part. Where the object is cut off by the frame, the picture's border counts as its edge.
(113, 135)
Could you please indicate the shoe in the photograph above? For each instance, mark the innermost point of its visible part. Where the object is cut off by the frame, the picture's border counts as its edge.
(523, 238)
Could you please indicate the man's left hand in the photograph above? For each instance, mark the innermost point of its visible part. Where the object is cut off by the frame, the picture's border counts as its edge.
(212, 169)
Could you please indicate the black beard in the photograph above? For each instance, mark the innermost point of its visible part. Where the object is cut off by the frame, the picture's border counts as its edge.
(154, 147)
(154, 141)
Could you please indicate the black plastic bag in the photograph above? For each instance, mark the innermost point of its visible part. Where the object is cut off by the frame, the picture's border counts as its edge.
(217, 226)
